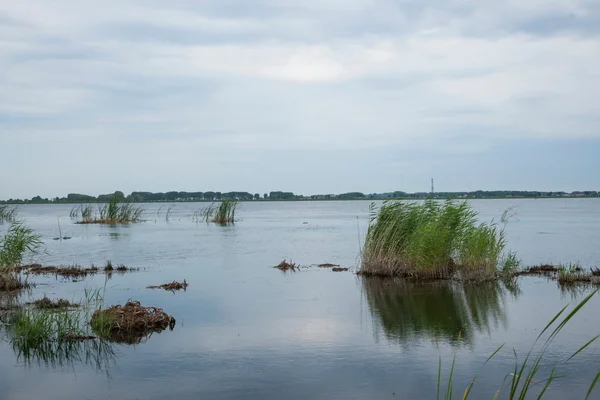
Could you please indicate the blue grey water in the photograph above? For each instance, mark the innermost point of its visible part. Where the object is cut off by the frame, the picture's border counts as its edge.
(246, 330)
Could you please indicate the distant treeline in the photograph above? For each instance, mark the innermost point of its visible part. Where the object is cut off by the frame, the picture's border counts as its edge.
(278, 196)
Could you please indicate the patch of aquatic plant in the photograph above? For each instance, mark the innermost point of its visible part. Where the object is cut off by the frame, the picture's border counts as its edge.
(327, 265)
(433, 240)
(523, 380)
(542, 269)
(8, 213)
(11, 281)
(573, 274)
(18, 242)
(286, 266)
(114, 212)
(56, 339)
(223, 214)
(173, 286)
(405, 310)
(130, 323)
(33, 326)
(72, 271)
(59, 304)
(339, 269)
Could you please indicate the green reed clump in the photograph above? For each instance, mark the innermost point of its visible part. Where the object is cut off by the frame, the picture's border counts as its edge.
(432, 240)
(524, 378)
(34, 326)
(8, 213)
(114, 212)
(19, 241)
(223, 214)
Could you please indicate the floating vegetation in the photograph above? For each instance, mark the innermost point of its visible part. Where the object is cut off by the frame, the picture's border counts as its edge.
(46, 304)
(286, 266)
(8, 213)
(339, 269)
(542, 269)
(571, 274)
(171, 286)
(112, 213)
(432, 240)
(223, 214)
(327, 265)
(130, 323)
(72, 271)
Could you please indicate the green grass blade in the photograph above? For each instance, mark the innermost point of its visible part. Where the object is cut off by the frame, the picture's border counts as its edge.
(592, 386)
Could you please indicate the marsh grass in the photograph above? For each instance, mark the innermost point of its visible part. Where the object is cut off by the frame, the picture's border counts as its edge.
(524, 378)
(112, 213)
(433, 240)
(222, 214)
(18, 242)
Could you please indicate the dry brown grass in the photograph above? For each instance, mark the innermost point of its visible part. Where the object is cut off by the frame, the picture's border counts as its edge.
(47, 304)
(327, 265)
(10, 282)
(286, 266)
(130, 323)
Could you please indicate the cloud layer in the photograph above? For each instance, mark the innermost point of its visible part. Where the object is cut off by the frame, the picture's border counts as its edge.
(326, 96)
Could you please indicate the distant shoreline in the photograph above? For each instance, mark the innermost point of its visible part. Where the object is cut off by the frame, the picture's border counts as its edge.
(303, 200)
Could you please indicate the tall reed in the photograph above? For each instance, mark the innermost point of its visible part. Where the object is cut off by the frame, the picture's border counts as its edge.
(431, 240)
(18, 242)
(223, 214)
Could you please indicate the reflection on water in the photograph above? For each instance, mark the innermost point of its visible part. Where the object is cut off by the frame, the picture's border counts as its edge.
(442, 310)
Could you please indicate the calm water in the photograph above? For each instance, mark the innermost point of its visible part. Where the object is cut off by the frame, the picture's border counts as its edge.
(245, 330)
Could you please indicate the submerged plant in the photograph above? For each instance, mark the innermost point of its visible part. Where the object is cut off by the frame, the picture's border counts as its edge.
(432, 240)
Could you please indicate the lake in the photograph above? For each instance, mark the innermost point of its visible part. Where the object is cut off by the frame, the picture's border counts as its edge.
(246, 330)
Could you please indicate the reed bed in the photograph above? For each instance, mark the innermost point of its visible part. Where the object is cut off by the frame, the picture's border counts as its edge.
(433, 240)
(112, 213)
(223, 214)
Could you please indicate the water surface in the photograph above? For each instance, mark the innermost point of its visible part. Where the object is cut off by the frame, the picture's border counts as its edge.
(245, 329)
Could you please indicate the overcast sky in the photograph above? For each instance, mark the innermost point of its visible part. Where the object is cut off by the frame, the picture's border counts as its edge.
(307, 96)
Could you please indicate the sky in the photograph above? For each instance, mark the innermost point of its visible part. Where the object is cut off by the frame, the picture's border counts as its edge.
(312, 96)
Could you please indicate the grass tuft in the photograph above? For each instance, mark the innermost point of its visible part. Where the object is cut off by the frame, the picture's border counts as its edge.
(112, 213)
(223, 214)
(18, 242)
(433, 240)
